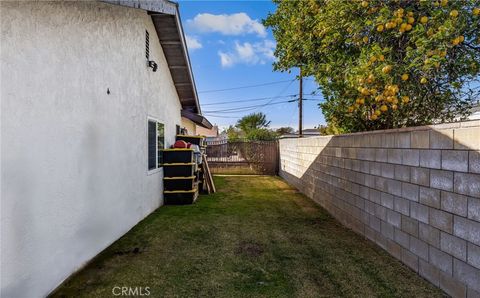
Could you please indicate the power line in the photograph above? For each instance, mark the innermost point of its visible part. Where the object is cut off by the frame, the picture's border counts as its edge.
(243, 109)
(248, 86)
(247, 100)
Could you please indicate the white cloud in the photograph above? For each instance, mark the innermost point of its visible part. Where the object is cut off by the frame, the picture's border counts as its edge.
(248, 53)
(193, 43)
(227, 24)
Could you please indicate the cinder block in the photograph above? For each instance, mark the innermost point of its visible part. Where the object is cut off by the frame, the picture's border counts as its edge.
(473, 255)
(393, 187)
(474, 162)
(429, 272)
(420, 139)
(402, 140)
(441, 220)
(454, 246)
(402, 173)
(410, 225)
(455, 160)
(411, 157)
(429, 234)
(440, 260)
(467, 184)
(388, 170)
(431, 159)
(375, 196)
(441, 179)
(386, 200)
(467, 138)
(410, 191)
(394, 156)
(430, 197)
(381, 155)
(454, 203)
(394, 218)
(419, 212)
(381, 212)
(401, 205)
(388, 140)
(419, 248)
(410, 259)
(394, 249)
(386, 230)
(441, 139)
(420, 176)
(466, 274)
(474, 209)
(402, 238)
(467, 229)
(471, 293)
(374, 223)
(452, 286)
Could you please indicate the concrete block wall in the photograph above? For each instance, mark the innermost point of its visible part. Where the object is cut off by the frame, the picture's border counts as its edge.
(415, 192)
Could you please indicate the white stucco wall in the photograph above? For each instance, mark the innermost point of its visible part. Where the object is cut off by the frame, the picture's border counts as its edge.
(74, 159)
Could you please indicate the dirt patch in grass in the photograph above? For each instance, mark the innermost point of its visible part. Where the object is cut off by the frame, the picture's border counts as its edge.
(249, 249)
(256, 237)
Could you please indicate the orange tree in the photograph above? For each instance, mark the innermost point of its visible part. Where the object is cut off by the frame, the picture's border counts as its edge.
(383, 63)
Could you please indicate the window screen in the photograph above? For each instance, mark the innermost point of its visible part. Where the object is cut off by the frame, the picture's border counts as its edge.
(160, 142)
(152, 145)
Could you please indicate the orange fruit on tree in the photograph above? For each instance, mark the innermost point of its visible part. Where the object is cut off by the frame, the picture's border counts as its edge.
(411, 20)
(378, 113)
(461, 38)
(373, 117)
(394, 107)
(476, 11)
(423, 80)
(444, 3)
(454, 13)
(405, 77)
(364, 3)
(386, 69)
(380, 28)
(405, 99)
(424, 19)
(381, 58)
(383, 108)
(408, 28)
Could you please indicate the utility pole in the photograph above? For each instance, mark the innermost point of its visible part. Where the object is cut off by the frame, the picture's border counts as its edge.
(300, 106)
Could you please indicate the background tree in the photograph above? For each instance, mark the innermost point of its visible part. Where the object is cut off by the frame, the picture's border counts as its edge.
(383, 63)
(284, 130)
(255, 127)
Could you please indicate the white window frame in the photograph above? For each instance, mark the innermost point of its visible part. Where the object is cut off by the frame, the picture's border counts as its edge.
(157, 168)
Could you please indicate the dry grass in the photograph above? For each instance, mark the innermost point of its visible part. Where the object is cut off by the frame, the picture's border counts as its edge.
(256, 237)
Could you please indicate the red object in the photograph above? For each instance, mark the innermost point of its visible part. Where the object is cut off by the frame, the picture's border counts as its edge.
(180, 144)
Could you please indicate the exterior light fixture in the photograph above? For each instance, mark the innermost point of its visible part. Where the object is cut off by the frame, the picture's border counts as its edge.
(153, 65)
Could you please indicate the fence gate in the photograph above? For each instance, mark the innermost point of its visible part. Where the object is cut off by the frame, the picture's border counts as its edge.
(243, 157)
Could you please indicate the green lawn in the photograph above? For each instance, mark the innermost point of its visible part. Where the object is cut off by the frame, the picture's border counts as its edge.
(256, 237)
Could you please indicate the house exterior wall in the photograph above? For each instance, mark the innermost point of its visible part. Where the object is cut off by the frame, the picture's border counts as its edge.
(415, 192)
(190, 126)
(73, 158)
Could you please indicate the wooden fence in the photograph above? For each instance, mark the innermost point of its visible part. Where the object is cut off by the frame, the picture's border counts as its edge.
(243, 157)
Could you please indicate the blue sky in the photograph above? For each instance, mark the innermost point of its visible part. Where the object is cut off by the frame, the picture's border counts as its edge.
(229, 47)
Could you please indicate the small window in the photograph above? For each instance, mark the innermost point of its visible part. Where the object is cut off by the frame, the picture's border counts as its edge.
(147, 45)
(156, 142)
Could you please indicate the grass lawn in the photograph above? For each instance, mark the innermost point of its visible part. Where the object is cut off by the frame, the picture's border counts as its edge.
(256, 237)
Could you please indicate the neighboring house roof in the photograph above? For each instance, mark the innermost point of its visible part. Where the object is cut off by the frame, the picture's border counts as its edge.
(212, 132)
(197, 119)
(166, 19)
